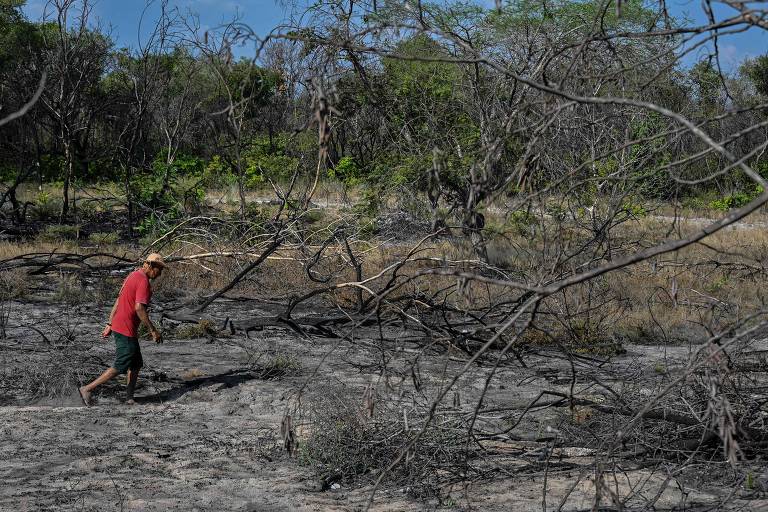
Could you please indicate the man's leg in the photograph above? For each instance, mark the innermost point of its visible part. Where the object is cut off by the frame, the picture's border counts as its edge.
(133, 376)
(86, 390)
(133, 372)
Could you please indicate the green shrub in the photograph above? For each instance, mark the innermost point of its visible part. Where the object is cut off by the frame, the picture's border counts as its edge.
(635, 210)
(217, 174)
(735, 200)
(370, 203)
(346, 171)
(157, 223)
(46, 207)
(557, 211)
(104, 238)
(269, 161)
(59, 233)
(260, 213)
(88, 211)
(313, 216)
(521, 222)
(696, 202)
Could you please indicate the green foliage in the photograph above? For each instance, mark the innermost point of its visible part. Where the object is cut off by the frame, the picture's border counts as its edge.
(174, 187)
(761, 166)
(104, 238)
(521, 222)
(259, 213)
(716, 284)
(248, 82)
(756, 70)
(635, 210)
(242, 85)
(346, 171)
(366, 227)
(157, 222)
(647, 161)
(46, 207)
(557, 211)
(59, 233)
(425, 101)
(408, 123)
(17, 36)
(696, 202)
(749, 482)
(51, 167)
(217, 174)
(313, 216)
(707, 85)
(569, 17)
(735, 200)
(370, 203)
(414, 80)
(269, 160)
(8, 173)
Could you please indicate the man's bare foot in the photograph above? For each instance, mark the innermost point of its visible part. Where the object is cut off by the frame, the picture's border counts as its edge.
(85, 396)
(130, 401)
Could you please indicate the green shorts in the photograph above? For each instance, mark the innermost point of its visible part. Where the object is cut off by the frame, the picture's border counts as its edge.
(127, 353)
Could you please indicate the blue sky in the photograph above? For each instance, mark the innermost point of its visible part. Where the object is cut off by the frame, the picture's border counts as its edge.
(733, 48)
(262, 15)
(125, 16)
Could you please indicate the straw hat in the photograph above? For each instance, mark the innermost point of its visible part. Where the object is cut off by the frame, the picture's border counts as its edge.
(155, 259)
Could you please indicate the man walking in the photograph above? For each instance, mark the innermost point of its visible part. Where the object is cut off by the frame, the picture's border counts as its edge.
(129, 310)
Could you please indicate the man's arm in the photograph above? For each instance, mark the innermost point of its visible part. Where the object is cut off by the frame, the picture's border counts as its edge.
(114, 310)
(141, 311)
(108, 328)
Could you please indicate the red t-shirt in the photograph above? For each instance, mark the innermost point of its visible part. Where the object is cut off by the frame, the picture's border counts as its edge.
(135, 289)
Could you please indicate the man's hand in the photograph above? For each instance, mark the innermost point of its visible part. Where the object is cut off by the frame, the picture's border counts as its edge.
(107, 331)
(141, 311)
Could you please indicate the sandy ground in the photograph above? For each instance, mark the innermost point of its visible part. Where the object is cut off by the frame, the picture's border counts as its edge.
(205, 434)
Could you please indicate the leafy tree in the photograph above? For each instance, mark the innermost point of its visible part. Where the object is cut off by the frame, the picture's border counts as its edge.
(707, 85)
(240, 90)
(756, 70)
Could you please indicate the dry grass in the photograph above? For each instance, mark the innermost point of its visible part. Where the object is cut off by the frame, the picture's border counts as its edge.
(671, 298)
(351, 444)
(10, 249)
(193, 373)
(668, 299)
(71, 290)
(280, 365)
(204, 328)
(14, 284)
(51, 372)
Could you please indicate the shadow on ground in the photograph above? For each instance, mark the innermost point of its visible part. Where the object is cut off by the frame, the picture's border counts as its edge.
(229, 379)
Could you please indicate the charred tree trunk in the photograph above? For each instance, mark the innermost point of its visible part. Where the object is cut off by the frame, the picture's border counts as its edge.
(68, 168)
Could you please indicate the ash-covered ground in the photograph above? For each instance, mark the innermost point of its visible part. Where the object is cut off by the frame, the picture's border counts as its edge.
(206, 431)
